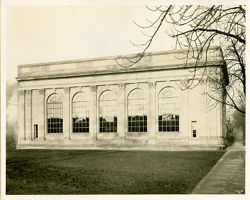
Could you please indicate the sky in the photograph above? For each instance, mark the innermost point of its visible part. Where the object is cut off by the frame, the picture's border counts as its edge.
(44, 33)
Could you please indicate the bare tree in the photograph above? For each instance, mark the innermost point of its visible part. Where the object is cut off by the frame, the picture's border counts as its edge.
(197, 28)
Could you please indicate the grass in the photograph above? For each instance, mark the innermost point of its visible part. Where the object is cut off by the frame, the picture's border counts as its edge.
(106, 172)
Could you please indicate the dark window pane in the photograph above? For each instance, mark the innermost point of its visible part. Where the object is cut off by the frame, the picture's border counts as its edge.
(137, 105)
(54, 114)
(141, 129)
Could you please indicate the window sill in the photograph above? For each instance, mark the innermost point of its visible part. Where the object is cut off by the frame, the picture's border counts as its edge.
(137, 134)
(107, 135)
(169, 135)
(169, 132)
(80, 134)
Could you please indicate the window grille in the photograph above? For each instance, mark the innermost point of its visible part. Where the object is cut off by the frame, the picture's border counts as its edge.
(168, 118)
(137, 111)
(80, 114)
(55, 114)
(108, 112)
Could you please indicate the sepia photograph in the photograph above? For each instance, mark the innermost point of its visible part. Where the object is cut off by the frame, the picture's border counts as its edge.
(123, 98)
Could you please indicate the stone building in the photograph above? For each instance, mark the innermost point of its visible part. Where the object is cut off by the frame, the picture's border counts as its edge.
(99, 104)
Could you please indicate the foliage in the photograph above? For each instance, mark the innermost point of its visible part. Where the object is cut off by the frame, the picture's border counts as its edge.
(11, 135)
(11, 115)
(238, 119)
(10, 89)
(230, 138)
(239, 122)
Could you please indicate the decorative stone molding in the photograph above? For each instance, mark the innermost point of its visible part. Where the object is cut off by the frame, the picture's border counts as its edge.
(177, 84)
(54, 90)
(66, 90)
(122, 86)
(93, 88)
(168, 83)
(136, 85)
(184, 82)
(28, 92)
(107, 87)
(152, 84)
(21, 92)
(41, 91)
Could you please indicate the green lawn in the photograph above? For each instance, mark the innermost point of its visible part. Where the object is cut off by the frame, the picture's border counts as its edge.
(106, 172)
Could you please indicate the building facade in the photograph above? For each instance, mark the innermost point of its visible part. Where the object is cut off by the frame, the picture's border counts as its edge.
(100, 104)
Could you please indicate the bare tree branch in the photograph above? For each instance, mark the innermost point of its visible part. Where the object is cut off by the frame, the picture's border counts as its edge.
(196, 28)
(215, 31)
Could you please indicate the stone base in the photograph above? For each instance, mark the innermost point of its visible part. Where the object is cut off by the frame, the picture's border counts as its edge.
(125, 144)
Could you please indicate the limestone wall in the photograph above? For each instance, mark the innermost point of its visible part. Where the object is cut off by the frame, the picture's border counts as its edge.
(200, 127)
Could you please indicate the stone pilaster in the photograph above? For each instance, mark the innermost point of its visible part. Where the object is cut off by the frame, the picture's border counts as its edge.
(66, 114)
(28, 115)
(21, 116)
(93, 114)
(45, 114)
(121, 110)
(41, 124)
(152, 110)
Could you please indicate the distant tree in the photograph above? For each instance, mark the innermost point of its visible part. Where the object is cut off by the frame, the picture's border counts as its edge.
(11, 134)
(11, 115)
(238, 122)
(230, 138)
(10, 89)
(197, 28)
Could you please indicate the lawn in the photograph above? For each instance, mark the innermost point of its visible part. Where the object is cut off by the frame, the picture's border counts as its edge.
(106, 172)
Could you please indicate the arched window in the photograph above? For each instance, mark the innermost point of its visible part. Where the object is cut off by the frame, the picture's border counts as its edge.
(108, 112)
(55, 114)
(168, 117)
(80, 114)
(137, 111)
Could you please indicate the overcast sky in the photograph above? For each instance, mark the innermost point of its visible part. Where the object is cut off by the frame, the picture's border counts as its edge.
(51, 33)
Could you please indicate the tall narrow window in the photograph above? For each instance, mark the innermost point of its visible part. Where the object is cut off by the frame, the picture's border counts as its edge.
(137, 111)
(80, 113)
(108, 112)
(55, 114)
(168, 118)
(194, 128)
(35, 131)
